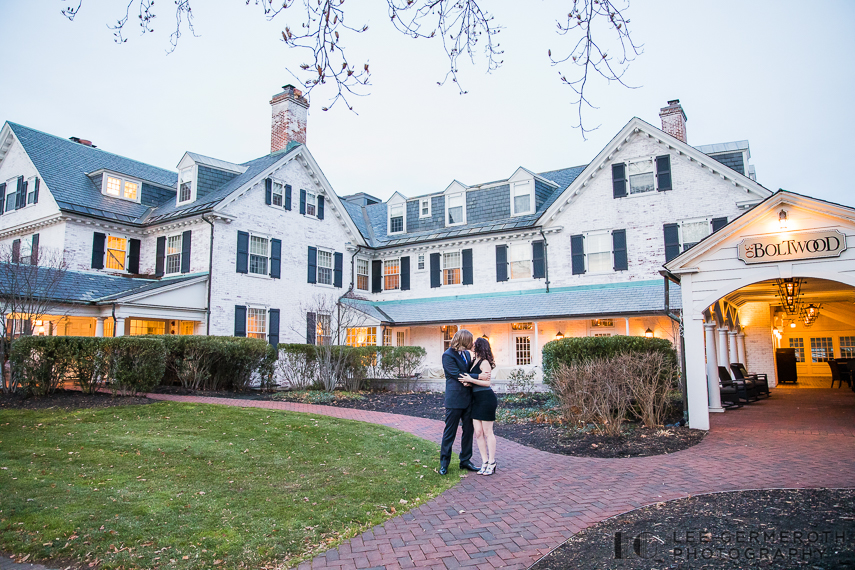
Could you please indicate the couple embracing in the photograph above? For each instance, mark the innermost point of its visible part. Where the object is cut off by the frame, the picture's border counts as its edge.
(469, 400)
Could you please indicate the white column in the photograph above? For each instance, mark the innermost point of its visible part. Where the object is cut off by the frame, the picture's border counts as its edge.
(534, 355)
(696, 374)
(732, 351)
(712, 369)
(120, 326)
(740, 347)
(722, 348)
(99, 326)
(627, 325)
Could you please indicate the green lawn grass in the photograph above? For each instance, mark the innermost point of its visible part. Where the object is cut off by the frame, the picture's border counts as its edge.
(195, 486)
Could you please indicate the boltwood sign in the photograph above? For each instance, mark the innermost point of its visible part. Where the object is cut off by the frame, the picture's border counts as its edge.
(794, 245)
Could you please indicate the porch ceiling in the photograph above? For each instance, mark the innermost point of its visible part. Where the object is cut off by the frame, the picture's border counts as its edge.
(812, 291)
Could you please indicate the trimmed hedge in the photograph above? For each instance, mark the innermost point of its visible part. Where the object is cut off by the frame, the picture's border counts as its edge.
(573, 350)
(137, 363)
(40, 363)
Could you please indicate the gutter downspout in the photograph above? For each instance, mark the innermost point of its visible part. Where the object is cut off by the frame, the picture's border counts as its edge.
(346, 293)
(114, 319)
(545, 258)
(210, 278)
(668, 277)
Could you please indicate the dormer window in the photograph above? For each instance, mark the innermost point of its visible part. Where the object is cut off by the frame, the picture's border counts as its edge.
(522, 200)
(424, 208)
(121, 187)
(396, 218)
(455, 209)
(185, 185)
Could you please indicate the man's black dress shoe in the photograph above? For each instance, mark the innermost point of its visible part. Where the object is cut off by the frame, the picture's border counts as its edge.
(443, 467)
(470, 466)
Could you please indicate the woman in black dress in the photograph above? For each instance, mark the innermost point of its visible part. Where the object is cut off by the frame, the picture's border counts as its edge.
(484, 405)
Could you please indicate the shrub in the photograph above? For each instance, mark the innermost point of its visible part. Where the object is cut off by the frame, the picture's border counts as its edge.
(89, 365)
(403, 361)
(580, 349)
(297, 364)
(238, 360)
(652, 376)
(521, 381)
(137, 363)
(40, 363)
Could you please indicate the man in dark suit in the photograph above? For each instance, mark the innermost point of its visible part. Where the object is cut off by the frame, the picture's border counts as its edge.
(458, 401)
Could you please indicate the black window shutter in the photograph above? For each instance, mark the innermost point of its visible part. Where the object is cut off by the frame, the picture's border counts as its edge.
(663, 172)
(468, 276)
(718, 223)
(287, 196)
(242, 263)
(311, 328)
(405, 273)
(274, 327)
(160, 256)
(133, 255)
(619, 249)
(36, 193)
(34, 250)
(376, 276)
(537, 259)
(672, 241)
(577, 254)
(240, 320)
(16, 251)
(186, 238)
(501, 263)
(2, 197)
(98, 240)
(320, 207)
(619, 180)
(338, 268)
(22, 193)
(268, 191)
(313, 265)
(435, 271)
(302, 201)
(276, 258)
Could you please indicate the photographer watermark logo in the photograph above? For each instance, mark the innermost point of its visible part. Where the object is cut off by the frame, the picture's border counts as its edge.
(644, 545)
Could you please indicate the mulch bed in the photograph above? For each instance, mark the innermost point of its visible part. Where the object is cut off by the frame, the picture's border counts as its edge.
(68, 400)
(776, 529)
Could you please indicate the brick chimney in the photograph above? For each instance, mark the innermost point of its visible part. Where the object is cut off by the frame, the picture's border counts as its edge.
(674, 120)
(290, 110)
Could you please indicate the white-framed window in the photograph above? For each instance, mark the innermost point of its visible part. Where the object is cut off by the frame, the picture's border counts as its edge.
(452, 268)
(602, 322)
(325, 267)
(799, 345)
(448, 332)
(387, 337)
(847, 346)
(31, 191)
(455, 209)
(420, 262)
(424, 208)
(401, 338)
(693, 231)
(362, 276)
(598, 252)
(522, 326)
(361, 336)
(641, 176)
(391, 274)
(396, 218)
(519, 261)
(821, 349)
(311, 204)
(116, 254)
(259, 254)
(522, 198)
(139, 327)
(522, 349)
(185, 184)
(173, 253)
(278, 194)
(256, 323)
(323, 327)
(11, 194)
(120, 187)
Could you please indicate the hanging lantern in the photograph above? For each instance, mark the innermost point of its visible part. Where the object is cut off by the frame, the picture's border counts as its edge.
(648, 333)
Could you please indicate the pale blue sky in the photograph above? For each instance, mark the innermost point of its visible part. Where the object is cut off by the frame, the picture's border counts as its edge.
(770, 72)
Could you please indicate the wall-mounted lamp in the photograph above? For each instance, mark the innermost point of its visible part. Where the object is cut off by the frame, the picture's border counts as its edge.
(560, 335)
(793, 325)
(648, 333)
(782, 219)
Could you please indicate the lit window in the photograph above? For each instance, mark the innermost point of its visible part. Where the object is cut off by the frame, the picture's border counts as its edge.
(258, 248)
(603, 323)
(139, 328)
(278, 192)
(448, 332)
(396, 219)
(116, 252)
(523, 350)
(114, 186)
(361, 336)
(323, 330)
(311, 204)
(188, 327)
(120, 188)
(847, 347)
(455, 206)
(256, 323)
(821, 349)
(325, 267)
(451, 264)
(522, 198)
(362, 274)
(522, 326)
(799, 345)
(391, 274)
(420, 264)
(401, 338)
(387, 337)
(641, 177)
(424, 208)
(602, 334)
(173, 254)
(599, 248)
(131, 189)
(185, 186)
(519, 260)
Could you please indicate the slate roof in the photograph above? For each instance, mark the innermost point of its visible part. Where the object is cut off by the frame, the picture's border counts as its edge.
(89, 287)
(615, 299)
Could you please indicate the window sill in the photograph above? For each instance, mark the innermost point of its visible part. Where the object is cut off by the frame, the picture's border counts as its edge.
(515, 214)
(640, 194)
(258, 275)
(121, 198)
(326, 286)
(454, 225)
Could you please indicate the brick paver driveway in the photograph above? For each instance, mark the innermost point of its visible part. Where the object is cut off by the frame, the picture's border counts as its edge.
(536, 500)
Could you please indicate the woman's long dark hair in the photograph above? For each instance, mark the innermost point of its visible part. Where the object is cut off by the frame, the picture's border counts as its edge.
(482, 350)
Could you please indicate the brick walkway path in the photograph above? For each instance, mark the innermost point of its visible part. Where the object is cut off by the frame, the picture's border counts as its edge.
(536, 500)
